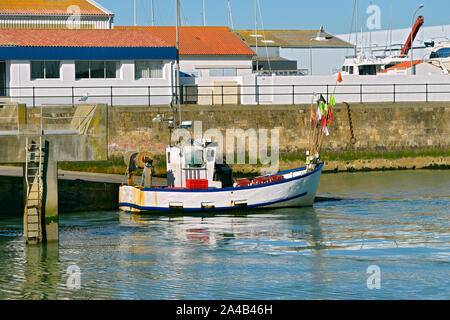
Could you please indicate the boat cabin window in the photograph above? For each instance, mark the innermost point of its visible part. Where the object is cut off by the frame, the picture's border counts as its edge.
(351, 70)
(210, 155)
(367, 70)
(441, 53)
(168, 157)
(194, 158)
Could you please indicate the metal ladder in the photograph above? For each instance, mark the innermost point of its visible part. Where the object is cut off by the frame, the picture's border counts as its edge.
(33, 177)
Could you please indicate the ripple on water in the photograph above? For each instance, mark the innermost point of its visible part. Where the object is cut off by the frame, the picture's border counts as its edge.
(399, 221)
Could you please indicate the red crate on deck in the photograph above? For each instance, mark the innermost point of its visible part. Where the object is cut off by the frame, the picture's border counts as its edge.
(276, 178)
(261, 180)
(243, 183)
(196, 184)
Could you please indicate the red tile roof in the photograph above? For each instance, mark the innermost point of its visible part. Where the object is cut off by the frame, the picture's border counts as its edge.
(402, 65)
(200, 40)
(79, 38)
(48, 7)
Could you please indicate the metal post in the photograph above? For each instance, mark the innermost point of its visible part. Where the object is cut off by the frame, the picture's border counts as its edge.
(327, 93)
(394, 92)
(149, 96)
(73, 97)
(360, 93)
(222, 96)
(111, 96)
(293, 94)
(257, 94)
(34, 97)
(426, 91)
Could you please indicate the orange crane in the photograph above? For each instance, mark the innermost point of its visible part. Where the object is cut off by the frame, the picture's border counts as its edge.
(419, 22)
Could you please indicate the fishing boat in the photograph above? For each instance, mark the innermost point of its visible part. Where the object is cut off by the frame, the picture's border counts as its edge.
(203, 184)
(199, 180)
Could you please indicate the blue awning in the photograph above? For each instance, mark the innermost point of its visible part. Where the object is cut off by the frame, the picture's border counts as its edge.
(88, 53)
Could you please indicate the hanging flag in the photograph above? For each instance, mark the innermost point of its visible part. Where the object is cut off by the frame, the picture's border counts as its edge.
(330, 115)
(321, 109)
(325, 130)
(325, 108)
(332, 101)
(321, 98)
(332, 104)
(313, 117)
(339, 79)
(324, 122)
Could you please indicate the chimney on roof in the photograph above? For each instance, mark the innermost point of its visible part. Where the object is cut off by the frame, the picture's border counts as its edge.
(321, 34)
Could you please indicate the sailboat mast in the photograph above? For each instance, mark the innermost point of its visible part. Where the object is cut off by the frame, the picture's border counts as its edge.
(356, 28)
(228, 13)
(204, 14)
(177, 88)
(256, 35)
(153, 13)
(135, 20)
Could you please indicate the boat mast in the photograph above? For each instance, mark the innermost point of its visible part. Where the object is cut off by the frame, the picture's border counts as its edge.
(153, 13)
(135, 20)
(356, 28)
(256, 35)
(204, 14)
(177, 88)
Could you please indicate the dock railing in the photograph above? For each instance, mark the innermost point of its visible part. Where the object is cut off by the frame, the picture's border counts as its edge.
(229, 94)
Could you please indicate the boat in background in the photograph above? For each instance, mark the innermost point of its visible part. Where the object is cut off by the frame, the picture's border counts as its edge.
(440, 55)
(368, 64)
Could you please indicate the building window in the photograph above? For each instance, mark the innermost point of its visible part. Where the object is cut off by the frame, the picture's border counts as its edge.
(223, 72)
(45, 69)
(148, 69)
(97, 69)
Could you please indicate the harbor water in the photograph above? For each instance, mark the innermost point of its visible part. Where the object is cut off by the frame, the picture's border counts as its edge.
(388, 239)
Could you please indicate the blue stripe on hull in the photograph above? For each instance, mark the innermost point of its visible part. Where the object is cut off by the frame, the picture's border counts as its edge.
(135, 206)
(243, 188)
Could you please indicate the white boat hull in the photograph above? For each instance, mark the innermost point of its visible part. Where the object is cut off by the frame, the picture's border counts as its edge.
(297, 189)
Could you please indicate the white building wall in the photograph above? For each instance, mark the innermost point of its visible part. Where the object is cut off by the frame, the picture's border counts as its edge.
(201, 65)
(318, 61)
(266, 51)
(280, 89)
(126, 89)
